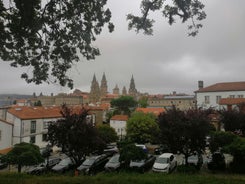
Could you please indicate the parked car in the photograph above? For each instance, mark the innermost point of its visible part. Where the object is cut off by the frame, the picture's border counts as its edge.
(43, 167)
(111, 150)
(195, 160)
(144, 148)
(161, 149)
(142, 165)
(93, 164)
(114, 164)
(46, 151)
(217, 161)
(64, 165)
(3, 165)
(165, 163)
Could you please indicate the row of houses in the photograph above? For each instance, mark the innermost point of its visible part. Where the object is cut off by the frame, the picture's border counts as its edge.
(29, 124)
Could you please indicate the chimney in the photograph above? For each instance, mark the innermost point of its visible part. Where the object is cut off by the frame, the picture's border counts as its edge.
(200, 84)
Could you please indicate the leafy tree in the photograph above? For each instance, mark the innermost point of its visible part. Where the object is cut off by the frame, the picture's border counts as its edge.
(237, 149)
(131, 152)
(143, 102)
(124, 104)
(233, 121)
(107, 133)
(184, 131)
(74, 134)
(38, 103)
(48, 36)
(23, 154)
(220, 140)
(142, 128)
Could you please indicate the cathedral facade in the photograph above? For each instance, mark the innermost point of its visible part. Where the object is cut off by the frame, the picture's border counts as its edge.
(97, 92)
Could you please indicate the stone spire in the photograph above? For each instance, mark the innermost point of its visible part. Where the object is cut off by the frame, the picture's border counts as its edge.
(116, 90)
(103, 86)
(132, 90)
(94, 95)
(124, 91)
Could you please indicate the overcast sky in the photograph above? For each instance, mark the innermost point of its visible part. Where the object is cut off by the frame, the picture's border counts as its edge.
(165, 62)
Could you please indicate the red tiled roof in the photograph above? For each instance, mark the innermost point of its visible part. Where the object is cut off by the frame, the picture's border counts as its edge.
(226, 86)
(5, 151)
(120, 117)
(231, 101)
(24, 112)
(153, 110)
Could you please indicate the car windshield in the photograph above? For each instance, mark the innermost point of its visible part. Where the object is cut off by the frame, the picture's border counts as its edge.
(192, 158)
(66, 161)
(162, 160)
(138, 161)
(114, 159)
(89, 161)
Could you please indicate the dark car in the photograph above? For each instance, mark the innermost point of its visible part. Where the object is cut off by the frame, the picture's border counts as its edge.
(43, 167)
(217, 161)
(195, 160)
(64, 165)
(3, 165)
(161, 149)
(110, 150)
(142, 165)
(93, 164)
(114, 164)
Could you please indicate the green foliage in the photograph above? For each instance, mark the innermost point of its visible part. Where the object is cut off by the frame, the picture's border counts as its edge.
(233, 121)
(143, 102)
(49, 36)
(124, 104)
(131, 152)
(184, 9)
(142, 128)
(184, 131)
(237, 149)
(23, 154)
(220, 140)
(125, 178)
(107, 133)
(77, 137)
(187, 169)
(38, 103)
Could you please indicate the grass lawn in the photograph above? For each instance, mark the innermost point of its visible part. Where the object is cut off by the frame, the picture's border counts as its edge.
(124, 178)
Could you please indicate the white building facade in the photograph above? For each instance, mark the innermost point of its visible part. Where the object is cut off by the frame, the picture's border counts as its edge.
(6, 130)
(119, 122)
(30, 124)
(210, 96)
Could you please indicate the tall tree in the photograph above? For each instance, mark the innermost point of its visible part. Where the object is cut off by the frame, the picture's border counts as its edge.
(23, 154)
(48, 36)
(184, 131)
(74, 134)
(124, 104)
(107, 133)
(233, 121)
(142, 128)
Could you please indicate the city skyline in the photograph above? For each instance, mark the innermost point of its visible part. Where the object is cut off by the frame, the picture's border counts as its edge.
(165, 62)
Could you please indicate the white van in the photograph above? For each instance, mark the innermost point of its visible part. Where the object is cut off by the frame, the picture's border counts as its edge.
(165, 163)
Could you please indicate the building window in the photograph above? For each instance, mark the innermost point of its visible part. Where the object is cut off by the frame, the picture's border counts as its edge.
(45, 137)
(33, 139)
(0, 135)
(33, 127)
(232, 96)
(46, 124)
(206, 99)
(218, 99)
(240, 96)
